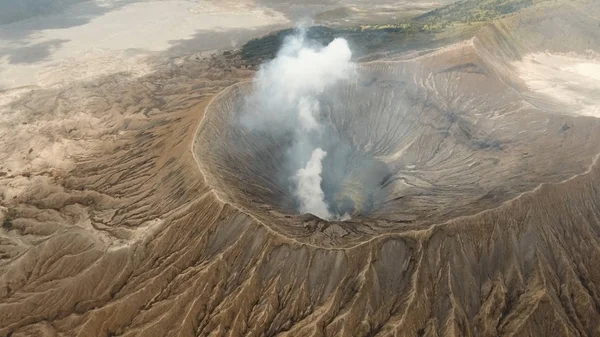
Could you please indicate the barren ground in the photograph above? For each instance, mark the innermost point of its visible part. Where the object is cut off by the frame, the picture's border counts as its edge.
(114, 225)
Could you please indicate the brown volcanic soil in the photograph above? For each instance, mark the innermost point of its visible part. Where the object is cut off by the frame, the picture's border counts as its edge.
(146, 226)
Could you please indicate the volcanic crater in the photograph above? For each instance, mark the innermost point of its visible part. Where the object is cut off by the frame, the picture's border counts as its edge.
(420, 142)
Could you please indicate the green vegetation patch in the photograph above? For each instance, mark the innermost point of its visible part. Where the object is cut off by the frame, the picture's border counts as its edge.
(468, 11)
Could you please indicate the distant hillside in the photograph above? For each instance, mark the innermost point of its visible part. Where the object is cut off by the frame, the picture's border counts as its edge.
(452, 22)
(476, 10)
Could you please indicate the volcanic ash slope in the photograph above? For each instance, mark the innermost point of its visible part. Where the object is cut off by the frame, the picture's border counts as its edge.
(487, 223)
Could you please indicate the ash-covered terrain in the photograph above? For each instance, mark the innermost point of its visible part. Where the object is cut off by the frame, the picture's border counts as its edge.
(433, 177)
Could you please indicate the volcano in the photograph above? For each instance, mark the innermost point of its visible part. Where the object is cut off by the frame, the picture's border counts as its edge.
(463, 180)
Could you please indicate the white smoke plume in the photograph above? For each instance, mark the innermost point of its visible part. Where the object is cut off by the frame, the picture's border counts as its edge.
(308, 182)
(287, 87)
(300, 71)
(286, 100)
(306, 114)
